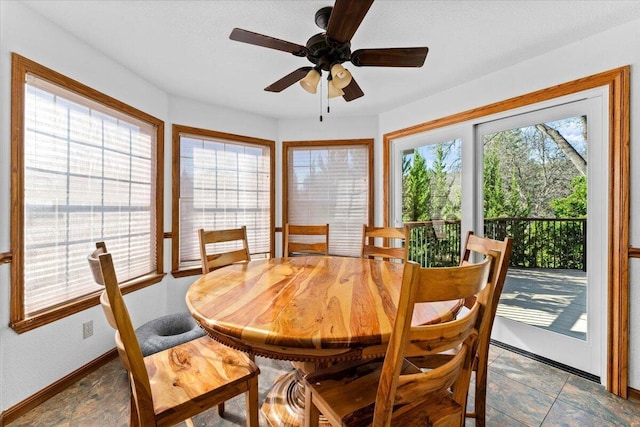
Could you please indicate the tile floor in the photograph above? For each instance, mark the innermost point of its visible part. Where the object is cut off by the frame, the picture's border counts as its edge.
(521, 392)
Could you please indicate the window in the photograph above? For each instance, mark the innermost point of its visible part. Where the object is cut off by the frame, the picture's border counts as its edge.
(222, 181)
(84, 169)
(330, 182)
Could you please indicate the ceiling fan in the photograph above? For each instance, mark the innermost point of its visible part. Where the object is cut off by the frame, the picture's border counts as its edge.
(328, 50)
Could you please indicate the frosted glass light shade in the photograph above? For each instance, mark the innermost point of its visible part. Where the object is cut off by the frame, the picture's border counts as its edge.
(310, 81)
(334, 92)
(341, 76)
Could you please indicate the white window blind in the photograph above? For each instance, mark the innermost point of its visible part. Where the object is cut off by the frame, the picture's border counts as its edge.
(330, 185)
(89, 175)
(223, 184)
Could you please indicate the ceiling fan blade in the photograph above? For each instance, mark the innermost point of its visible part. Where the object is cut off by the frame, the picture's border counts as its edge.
(390, 57)
(345, 19)
(352, 91)
(250, 37)
(288, 80)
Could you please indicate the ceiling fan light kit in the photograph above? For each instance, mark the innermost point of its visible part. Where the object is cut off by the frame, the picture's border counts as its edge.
(330, 49)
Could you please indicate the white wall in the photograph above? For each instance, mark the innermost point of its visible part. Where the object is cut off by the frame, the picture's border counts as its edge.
(612, 49)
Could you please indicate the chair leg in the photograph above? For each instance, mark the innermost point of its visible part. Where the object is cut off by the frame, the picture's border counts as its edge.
(134, 421)
(311, 412)
(481, 395)
(251, 397)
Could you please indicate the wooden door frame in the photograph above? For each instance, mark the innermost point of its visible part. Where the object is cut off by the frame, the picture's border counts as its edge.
(617, 82)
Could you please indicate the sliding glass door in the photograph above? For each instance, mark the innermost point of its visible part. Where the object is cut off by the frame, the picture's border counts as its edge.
(539, 176)
(538, 184)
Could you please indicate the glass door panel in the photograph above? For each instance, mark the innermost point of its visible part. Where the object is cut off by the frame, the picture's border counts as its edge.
(535, 188)
(431, 202)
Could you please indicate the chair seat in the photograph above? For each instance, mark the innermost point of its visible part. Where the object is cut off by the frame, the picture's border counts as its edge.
(360, 380)
(189, 377)
(166, 332)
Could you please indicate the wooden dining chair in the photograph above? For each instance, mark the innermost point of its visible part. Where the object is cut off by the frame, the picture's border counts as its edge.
(392, 391)
(482, 246)
(176, 384)
(231, 246)
(386, 251)
(160, 333)
(305, 240)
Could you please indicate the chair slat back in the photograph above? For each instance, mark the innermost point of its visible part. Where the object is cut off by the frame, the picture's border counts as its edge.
(430, 285)
(94, 265)
(386, 251)
(218, 259)
(501, 250)
(126, 340)
(306, 239)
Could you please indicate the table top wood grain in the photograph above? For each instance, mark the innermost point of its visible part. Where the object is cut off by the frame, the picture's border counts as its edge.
(315, 308)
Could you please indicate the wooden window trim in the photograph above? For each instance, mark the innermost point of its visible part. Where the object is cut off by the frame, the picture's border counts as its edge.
(19, 68)
(175, 187)
(74, 306)
(617, 81)
(286, 145)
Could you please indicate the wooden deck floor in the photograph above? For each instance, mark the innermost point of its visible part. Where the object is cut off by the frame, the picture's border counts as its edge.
(547, 298)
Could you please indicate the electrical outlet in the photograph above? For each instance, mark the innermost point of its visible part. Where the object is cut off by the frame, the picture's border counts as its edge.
(87, 329)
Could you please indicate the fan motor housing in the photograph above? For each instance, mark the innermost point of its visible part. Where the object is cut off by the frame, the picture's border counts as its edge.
(325, 52)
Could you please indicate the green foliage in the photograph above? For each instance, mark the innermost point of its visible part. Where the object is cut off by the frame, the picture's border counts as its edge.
(575, 204)
(416, 184)
(517, 204)
(440, 185)
(494, 195)
(429, 193)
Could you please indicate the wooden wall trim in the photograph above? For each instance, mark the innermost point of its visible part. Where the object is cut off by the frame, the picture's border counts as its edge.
(617, 80)
(21, 408)
(5, 257)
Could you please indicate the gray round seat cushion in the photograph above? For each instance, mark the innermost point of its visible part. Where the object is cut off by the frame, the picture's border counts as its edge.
(166, 332)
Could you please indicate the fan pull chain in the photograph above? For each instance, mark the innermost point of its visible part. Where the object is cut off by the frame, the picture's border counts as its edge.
(320, 99)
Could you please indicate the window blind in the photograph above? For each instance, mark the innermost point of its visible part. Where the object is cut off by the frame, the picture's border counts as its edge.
(330, 185)
(89, 175)
(223, 184)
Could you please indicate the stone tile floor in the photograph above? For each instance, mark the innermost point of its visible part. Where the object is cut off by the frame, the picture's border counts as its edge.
(521, 392)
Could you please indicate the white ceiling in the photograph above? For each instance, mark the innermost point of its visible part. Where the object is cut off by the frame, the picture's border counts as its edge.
(183, 47)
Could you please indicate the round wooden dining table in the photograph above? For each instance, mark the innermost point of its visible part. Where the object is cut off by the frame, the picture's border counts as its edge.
(312, 310)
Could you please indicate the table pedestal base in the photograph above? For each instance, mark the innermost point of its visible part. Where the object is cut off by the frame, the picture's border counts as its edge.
(284, 404)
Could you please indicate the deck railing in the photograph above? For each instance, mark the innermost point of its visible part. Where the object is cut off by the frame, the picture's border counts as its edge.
(554, 243)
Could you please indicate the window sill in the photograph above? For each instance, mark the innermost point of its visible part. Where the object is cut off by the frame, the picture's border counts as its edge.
(53, 314)
(187, 271)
